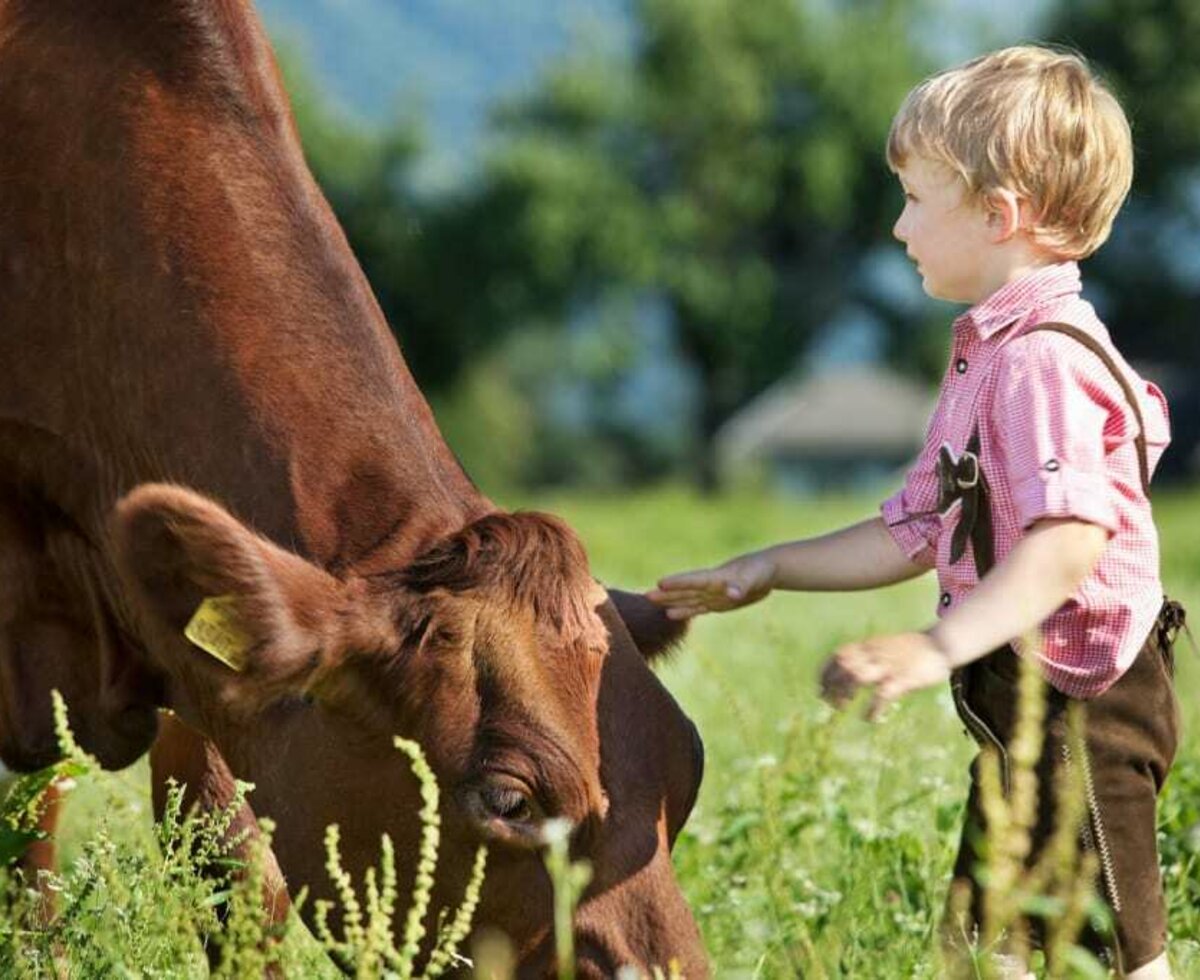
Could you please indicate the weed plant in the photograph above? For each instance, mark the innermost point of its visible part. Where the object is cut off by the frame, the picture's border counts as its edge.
(820, 846)
(128, 911)
(1058, 888)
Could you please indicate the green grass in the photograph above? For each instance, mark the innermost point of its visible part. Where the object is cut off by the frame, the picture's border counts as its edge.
(820, 845)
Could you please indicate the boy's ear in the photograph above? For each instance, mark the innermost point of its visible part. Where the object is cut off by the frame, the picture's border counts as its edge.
(1006, 214)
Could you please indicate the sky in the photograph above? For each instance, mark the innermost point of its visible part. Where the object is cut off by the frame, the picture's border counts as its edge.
(445, 59)
(449, 59)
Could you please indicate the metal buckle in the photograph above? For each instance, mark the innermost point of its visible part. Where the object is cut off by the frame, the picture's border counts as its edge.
(973, 479)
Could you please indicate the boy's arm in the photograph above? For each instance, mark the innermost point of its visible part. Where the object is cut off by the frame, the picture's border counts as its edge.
(1041, 572)
(862, 556)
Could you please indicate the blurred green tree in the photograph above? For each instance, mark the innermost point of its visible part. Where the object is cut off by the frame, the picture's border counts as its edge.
(425, 258)
(429, 258)
(729, 165)
(733, 165)
(1149, 274)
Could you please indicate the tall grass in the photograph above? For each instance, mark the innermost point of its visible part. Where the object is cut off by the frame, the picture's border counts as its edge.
(1058, 888)
(367, 946)
(113, 897)
(820, 846)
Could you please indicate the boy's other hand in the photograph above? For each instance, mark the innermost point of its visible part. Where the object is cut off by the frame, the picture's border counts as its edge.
(735, 584)
(892, 665)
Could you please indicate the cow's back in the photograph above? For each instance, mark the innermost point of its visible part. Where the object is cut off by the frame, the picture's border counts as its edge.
(179, 302)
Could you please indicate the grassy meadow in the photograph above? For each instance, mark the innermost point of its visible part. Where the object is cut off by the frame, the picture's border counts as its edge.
(820, 845)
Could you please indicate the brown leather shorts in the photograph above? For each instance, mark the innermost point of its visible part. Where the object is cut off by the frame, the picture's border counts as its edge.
(1131, 733)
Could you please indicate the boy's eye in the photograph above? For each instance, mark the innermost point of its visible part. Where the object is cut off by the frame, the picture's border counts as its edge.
(910, 196)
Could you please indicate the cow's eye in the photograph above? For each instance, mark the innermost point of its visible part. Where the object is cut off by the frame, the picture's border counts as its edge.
(505, 810)
(507, 803)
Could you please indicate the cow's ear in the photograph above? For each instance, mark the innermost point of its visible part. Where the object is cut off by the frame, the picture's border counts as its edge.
(223, 593)
(652, 631)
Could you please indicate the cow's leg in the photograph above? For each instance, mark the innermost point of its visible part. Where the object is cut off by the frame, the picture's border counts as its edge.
(40, 857)
(40, 854)
(182, 754)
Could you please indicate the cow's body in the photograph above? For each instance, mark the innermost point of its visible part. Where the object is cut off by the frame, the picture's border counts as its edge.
(179, 306)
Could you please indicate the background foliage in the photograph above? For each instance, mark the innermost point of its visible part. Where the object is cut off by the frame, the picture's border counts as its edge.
(655, 231)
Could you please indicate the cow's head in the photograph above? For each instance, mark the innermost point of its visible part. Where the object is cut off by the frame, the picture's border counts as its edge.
(524, 681)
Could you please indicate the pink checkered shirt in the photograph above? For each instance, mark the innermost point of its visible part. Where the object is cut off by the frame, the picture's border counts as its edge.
(1056, 440)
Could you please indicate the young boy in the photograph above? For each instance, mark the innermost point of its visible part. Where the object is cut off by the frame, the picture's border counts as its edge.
(1030, 498)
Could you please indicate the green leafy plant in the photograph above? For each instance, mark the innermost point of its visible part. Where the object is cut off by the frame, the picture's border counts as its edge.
(22, 806)
(367, 945)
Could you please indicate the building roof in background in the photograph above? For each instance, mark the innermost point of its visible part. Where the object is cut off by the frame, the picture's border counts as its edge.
(863, 408)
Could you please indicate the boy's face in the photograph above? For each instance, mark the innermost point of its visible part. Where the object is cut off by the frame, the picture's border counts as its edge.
(948, 237)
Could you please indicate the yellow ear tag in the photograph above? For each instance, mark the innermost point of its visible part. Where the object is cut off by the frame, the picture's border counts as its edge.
(215, 629)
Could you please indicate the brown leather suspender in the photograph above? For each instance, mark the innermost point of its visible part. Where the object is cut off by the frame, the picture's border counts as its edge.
(978, 516)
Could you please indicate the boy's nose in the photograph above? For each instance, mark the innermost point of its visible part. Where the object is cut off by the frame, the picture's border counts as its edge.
(898, 230)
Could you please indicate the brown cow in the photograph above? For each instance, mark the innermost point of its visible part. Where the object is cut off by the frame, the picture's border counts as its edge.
(183, 323)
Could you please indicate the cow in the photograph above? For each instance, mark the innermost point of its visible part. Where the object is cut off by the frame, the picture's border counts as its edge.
(202, 407)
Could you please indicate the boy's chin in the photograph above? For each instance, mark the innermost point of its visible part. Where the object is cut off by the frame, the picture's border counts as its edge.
(943, 293)
(931, 289)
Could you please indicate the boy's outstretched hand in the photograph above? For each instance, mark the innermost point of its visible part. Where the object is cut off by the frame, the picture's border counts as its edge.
(736, 583)
(892, 665)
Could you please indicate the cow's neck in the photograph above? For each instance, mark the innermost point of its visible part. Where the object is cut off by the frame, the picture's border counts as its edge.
(371, 480)
(369, 477)
(211, 323)
(320, 375)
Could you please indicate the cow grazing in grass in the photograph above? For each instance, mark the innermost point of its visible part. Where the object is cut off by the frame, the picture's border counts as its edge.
(199, 398)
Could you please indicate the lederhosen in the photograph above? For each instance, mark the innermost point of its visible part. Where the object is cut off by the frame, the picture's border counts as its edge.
(1131, 732)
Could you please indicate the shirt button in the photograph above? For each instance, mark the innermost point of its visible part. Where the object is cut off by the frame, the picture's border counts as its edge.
(961, 365)
(945, 600)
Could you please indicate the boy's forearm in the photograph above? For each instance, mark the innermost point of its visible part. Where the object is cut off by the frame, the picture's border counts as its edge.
(1038, 576)
(862, 556)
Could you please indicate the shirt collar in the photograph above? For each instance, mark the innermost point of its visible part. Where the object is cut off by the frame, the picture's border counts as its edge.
(1015, 299)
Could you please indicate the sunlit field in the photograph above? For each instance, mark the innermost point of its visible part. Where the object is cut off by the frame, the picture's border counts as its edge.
(820, 845)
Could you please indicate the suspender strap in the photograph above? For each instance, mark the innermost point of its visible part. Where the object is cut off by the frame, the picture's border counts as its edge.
(1094, 346)
(975, 520)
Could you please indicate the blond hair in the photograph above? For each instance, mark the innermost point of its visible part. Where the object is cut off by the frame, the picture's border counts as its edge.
(1034, 121)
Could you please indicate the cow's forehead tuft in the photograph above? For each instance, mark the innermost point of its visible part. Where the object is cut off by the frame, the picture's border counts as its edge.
(530, 560)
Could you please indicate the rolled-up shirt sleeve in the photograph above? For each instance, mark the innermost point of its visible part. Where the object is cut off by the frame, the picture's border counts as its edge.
(909, 513)
(1049, 416)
